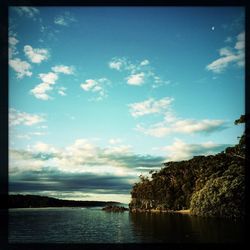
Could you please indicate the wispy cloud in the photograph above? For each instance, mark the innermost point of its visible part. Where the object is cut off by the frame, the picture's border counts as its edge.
(184, 126)
(144, 62)
(230, 56)
(170, 124)
(136, 79)
(68, 70)
(36, 55)
(49, 80)
(17, 117)
(30, 12)
(24, 136)
(228, 39)
(64, 20)
(181, 150)
(61, 91)
(13, 41)
(150, 106)
(22, 68)
(120, 64)
(116, 64)
(96, 86)
(139, 73)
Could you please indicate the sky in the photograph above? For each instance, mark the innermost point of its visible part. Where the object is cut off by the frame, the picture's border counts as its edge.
(101, 95)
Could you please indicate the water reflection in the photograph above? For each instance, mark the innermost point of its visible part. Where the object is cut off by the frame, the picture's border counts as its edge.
(179, 228)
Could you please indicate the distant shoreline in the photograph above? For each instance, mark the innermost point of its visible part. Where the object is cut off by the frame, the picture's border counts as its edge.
(36, 201)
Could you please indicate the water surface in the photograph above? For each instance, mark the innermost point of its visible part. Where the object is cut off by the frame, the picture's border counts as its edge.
(92, 225)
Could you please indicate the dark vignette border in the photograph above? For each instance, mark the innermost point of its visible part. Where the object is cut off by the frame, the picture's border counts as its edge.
(4, 4)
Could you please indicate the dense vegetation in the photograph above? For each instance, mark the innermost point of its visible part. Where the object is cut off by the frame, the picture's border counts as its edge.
(211, 185)
(24, 201)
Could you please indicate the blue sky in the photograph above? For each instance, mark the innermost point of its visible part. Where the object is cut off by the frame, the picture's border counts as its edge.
(100, 95)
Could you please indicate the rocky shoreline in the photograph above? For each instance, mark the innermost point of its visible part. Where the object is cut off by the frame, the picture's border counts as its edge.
(113, 208)
(135, 210)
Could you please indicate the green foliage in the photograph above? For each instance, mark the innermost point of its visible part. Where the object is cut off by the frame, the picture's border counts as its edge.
(220, 197)
(207, 185)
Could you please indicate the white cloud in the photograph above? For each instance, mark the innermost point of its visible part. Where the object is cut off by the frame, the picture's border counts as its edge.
(41, 147)
(220, 64)
(23, 161)
(36, 55)
(240, 44)
(137, 72)
(193, 126)
(144, 62)
(83, 156)
(185, 126)
(89, 85)
(12, 51)
(29, 12)
(49, 78)
(12, 46)
(61, 91)
(13, 41)
(21, 67)
(124, 64)
(96, 86)
(170, 123)
(150, 106)
(136, 79)
(180, 150)
(81, 161)
(230, 56)
(21, 118)
(40, 91)
(63, 69)
(116, 64)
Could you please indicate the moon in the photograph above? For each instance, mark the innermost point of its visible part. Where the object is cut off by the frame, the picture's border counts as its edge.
(213, 28)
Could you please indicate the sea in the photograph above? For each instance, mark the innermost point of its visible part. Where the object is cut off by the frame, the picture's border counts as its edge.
(93, 225)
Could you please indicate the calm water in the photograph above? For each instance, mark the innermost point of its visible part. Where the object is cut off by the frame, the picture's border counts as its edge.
(92, 225)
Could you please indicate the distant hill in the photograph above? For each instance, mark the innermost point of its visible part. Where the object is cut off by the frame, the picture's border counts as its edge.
(26, 201)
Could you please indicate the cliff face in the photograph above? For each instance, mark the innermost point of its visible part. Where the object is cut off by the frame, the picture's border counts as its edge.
(211, 185)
